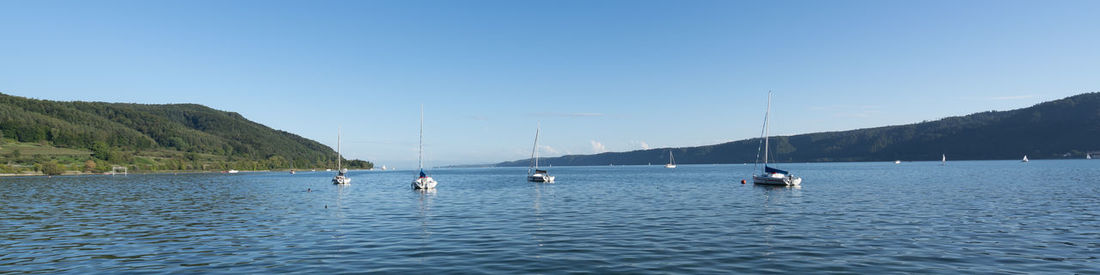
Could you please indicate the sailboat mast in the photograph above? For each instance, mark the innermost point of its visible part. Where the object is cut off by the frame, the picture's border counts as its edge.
(420, 148)
(338, 150)
(767, 113)
(535, 148)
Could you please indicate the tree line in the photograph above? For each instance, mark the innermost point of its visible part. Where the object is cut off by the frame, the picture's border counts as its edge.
(1065, 128)
(159, 136)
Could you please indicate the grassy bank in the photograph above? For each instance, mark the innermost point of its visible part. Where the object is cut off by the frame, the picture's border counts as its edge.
(42, 158)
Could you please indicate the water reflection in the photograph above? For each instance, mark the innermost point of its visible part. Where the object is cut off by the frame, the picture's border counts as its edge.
(539, 223)
(777, 187)
(424, 210)
(343, 192)
(424, 199)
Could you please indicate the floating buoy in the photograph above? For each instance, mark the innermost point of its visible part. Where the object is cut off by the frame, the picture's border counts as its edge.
(742, 181)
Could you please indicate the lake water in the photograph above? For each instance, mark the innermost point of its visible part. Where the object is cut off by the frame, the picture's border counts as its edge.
(969, 217)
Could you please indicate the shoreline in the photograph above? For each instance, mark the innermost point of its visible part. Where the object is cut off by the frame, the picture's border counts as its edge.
(75, 173)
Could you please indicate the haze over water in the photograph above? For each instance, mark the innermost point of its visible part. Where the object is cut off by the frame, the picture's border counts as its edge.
(968, 216)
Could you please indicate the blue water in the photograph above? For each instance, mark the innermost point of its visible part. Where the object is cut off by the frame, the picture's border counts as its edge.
(970, 217)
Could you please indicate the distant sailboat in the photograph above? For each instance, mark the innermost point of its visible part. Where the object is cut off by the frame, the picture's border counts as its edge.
(1088, 156)
(1025, 159)
(772, 176)
(943, 160)
(671, 161)
(539, 175)
(341, 173)
(423, 181)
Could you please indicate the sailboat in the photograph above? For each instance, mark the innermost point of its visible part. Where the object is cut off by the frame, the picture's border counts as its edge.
(772, 176)
(422, 181)
(341, 173)
(539, 175)
(671, 161)
(1025, 159)
(943, 160)
(1088, 155)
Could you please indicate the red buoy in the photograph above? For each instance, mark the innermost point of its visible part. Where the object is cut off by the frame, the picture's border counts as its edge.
(742, 181)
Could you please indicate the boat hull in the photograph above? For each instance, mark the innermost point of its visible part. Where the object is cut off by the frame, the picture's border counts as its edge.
(670, 166)
(424, 183)
(540, 178)
(341, 180)
(783, 181)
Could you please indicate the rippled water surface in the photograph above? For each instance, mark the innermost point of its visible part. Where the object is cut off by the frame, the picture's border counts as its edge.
(971, 217)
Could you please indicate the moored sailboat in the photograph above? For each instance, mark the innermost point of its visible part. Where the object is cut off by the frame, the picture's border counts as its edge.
(772, 176)
(422, 181)
(1025, 159)
(539, 175)
(341, 173)
(671, 161)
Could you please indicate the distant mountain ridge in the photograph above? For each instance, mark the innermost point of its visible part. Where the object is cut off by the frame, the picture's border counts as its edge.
(118, 132)
(1062, 128)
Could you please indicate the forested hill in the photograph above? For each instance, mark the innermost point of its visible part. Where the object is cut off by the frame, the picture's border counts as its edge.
(1065, 128)
(121, 133)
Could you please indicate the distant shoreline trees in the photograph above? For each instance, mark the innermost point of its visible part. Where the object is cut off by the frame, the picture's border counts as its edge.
(148, 137)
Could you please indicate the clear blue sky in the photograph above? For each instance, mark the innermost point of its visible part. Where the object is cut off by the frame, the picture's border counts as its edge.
(598, 75)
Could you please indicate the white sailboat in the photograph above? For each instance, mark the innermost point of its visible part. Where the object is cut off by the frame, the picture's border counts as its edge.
(1088, 155)
(671, 161)
(1025, 159)
(772, 176)
(943, 159)
(341, 173)
(539, 175)
(422, 181)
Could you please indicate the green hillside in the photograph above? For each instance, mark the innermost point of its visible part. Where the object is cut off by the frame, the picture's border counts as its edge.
(146, 137)
(1065, 128)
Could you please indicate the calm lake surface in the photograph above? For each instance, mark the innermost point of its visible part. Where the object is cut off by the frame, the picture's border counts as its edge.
(918, 217)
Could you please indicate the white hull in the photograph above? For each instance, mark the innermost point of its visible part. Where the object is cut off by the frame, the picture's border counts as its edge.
(341, 180)
(670, 166)
(785, 181)
(424, 183)
(540, 178)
